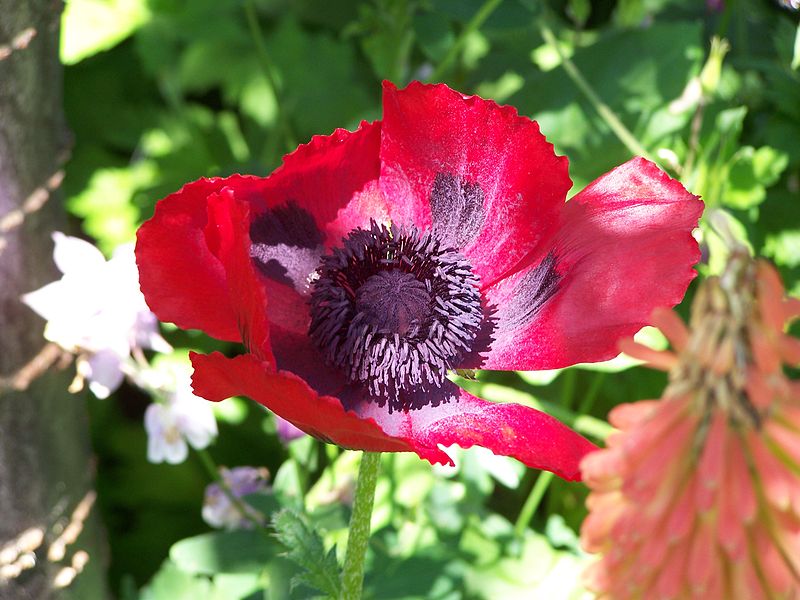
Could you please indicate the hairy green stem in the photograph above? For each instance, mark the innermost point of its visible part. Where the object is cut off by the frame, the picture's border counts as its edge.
(605, 112)
(358, 538)
(474, 24)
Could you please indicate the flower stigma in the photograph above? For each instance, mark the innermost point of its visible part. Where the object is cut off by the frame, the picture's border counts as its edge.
(396, 310)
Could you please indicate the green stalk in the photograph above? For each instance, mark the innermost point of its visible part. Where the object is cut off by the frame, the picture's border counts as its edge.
(545, 478)
(268, 69)
(474, 24)
(532, 503)
(358, 538)
(605, 112)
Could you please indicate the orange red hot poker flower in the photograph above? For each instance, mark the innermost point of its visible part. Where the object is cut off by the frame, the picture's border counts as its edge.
(698, 494)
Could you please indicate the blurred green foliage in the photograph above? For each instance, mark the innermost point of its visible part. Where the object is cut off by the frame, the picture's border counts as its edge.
(162, 92)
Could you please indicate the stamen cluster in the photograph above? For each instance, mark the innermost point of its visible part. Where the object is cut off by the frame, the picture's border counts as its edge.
(395, 310)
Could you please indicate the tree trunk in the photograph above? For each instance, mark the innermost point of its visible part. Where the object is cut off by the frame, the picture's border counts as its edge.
(46, 472)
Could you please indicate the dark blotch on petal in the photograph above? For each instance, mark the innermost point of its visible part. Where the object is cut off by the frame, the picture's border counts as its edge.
(270, 267)
(288, 224)
(456, 209)
(534, 289)
(286, 245)
(286, 264)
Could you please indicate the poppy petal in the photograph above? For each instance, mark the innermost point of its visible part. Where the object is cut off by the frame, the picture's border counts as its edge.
(531, 436)
(181, 277)
(226, 233)
(289, 319)
(308, 199)
(481, 176)
(451, 415)
(217, 377)
(624, 248)
(178, 273)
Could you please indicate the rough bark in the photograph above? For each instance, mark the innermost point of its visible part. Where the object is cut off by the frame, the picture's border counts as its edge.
(45, 455)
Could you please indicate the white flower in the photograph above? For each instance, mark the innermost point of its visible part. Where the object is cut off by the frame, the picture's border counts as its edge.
(218, 510)
(182, 418)
(96, 310)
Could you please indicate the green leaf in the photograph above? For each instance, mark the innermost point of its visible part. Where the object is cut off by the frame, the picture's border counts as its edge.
(384, 28)
(288, 485)
(172, 583)
(539, 571)
(246, 551)
(784, 247)
(264, 502)
(560, 534)
(638, 91)
(579, 11)
(751, 172)
(106, 204)
(434, 34)
(91, 26)
(796, 52)
(230, 586)
(305, 548)
(427, 574)
(319, 78)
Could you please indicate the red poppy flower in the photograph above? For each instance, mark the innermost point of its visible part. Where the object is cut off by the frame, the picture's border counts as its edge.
(374, 262)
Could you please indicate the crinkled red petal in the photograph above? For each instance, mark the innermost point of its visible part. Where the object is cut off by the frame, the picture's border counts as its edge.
(531, 436)
(625, 247)
(333, 178)
(226, 233)
(181, 278)
(431, 131)
(217, 377)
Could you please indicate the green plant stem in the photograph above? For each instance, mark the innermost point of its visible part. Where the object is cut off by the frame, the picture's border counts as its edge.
(247, 511)
(545, 478)
(358, 538)
(532, 503)
(268, 68)
(605, 112)
(474, 24)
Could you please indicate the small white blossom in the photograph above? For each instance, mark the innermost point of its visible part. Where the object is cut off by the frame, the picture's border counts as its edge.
(218, 510)
(96, 311)
(183, 418)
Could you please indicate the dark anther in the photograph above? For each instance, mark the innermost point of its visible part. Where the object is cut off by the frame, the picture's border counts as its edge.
(395, 310)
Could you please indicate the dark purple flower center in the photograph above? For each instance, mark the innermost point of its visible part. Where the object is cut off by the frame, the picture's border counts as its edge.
(395, 309)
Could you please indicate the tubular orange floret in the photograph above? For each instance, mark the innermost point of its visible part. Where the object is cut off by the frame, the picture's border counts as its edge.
(791, 309)
(658, 359)
(765, 352)
(790, 350)
(770, 295)
(699, 494)
(672, 326)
